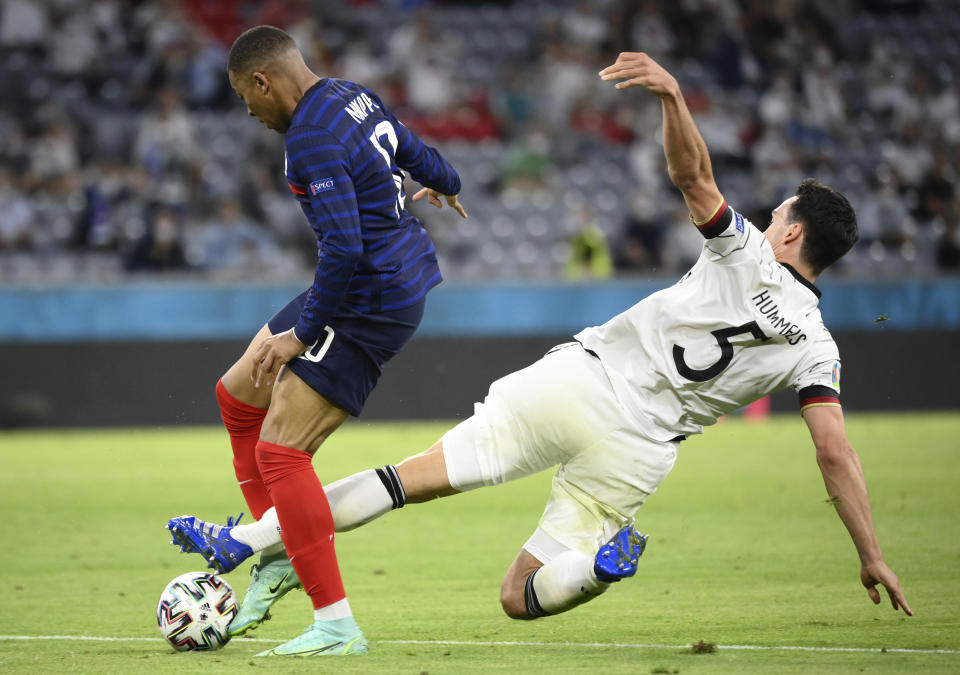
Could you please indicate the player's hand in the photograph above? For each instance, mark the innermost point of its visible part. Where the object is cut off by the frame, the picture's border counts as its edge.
(636, 69)
(434, 198)
(272, 353)
(879, 573)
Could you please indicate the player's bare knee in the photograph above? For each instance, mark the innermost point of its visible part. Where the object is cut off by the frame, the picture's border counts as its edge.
(512, 600)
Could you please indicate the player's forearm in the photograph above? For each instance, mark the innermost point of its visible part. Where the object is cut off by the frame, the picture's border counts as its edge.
(330, 283)
(847, 489)
(425, 164)
(688, 160)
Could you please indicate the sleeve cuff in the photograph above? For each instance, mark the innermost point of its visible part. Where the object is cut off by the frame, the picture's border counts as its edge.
(301, 333)
(716, 223)
(816, 396)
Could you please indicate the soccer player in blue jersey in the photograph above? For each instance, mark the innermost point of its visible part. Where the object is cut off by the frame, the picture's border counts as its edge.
(316, 361)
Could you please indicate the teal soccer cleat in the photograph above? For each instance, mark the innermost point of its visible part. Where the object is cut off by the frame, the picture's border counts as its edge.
(221, 551)
(618, 558)
(341, 637)
(270, 580)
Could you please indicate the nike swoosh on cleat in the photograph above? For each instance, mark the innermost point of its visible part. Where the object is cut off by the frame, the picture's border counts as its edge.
(321, 650)
(276, 588)
(306, 652)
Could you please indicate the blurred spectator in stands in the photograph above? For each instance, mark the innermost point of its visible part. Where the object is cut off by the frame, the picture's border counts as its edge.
(270, 204)
(638, 249)
(232, 246)
(651, 30)
(53, 152)
(908, 154)
(944, 110)
(599, 123)
(589, 251)
(512, 104)
(467, 118)
(526, 164)
(16, 213)
(681, 243)
(584, 24)
(566, 74)
(161, 247)
(92, 229)
(426, 55)
(886, 225)
(778, 103)
(823, 92)
(166, 146)
(359, 63)
(936, 190)
(76, 46)
(24, 23)
(948, 248)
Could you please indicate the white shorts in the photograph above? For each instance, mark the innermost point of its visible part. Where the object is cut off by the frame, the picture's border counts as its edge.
(561, 410)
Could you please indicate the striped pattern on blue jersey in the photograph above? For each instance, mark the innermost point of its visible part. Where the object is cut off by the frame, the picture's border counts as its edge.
(345, 158)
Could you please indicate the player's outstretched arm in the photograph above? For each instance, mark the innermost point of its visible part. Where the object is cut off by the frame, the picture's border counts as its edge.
(847, 488)
(688, 161)
(434, 198)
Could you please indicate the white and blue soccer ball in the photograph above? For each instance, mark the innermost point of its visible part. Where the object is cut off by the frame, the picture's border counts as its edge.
(195, 610)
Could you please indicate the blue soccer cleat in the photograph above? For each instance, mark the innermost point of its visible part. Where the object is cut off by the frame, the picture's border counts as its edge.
(618, 558)
(221, 551)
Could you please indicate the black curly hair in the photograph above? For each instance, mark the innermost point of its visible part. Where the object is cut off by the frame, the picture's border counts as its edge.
(829, 223)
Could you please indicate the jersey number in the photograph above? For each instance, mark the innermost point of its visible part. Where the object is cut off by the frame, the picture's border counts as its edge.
(385, 129)
(315, 355)
(723, 336)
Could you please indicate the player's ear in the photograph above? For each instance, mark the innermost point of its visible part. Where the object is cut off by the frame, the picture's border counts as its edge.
(261, 82)
(794, 231)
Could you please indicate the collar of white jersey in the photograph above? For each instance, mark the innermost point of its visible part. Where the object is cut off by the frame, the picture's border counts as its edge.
(803, 280)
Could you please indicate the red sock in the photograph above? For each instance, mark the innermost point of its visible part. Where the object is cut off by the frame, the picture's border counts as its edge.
(243, 423)
(305, 520)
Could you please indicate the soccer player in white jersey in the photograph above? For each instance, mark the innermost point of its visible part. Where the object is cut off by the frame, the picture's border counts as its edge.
(612, 408)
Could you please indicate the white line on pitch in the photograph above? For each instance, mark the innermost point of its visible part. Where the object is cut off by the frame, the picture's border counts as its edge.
(507, 643)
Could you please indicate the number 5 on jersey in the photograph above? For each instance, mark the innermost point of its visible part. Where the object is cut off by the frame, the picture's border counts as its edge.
(386, 129)
(722, 336)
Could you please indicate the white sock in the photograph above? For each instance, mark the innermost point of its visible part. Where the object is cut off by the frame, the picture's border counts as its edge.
(338, 610)
(365, 496)
(563, 583)
(259, 534)
(354, 501)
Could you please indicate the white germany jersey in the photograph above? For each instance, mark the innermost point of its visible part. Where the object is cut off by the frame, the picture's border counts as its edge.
(739, 325)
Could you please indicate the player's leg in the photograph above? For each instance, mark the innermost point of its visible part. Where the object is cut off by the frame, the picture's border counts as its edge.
(586, 539)
(300, 419)
(243, 408)
(542, 585)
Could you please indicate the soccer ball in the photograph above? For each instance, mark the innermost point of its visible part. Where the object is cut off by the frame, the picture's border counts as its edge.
(195, 610)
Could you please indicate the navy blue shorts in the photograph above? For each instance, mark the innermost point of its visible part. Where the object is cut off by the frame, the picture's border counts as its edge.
(345, 363)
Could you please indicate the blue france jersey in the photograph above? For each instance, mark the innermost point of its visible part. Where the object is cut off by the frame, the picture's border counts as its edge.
(345, 158)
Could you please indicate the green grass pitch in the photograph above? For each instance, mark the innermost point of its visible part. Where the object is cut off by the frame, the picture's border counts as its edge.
(743, 552)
